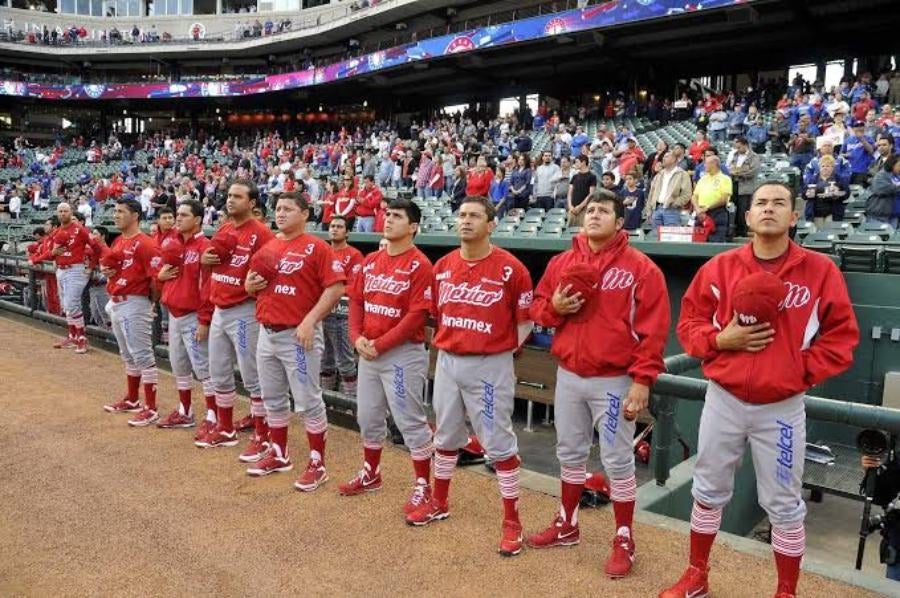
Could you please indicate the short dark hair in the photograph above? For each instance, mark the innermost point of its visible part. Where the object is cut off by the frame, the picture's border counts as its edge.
(338, 217)
(679, 144)
(165, 210)
(40, 232)
(411, 209)
(102, 231)
(297, 198)
(133, 205)
(610, 174)
(605, 195)
(369, 177)
(195, 206)
(486, 203)
(711, 150)
(783, 185)
(252, 189)
(54, 220)
(582, 158)
(741, 139)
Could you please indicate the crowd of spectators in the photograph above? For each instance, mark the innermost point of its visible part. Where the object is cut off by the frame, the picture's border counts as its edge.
(346, 171)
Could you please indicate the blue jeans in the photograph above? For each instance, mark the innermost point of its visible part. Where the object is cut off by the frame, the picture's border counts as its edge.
(666, 217)
(365, 224)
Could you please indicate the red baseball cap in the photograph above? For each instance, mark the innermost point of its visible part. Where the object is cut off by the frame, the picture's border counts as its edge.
(265, 262)
(758, 298)
(583, 279)
(223, 244)
(110, 258)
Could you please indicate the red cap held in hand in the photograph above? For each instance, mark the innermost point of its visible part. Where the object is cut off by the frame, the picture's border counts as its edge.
(265, 262)
(223, 245)
(758, 298)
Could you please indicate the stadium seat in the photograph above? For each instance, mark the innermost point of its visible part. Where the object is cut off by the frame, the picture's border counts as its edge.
(882, 229)
(505, 229)
(551, 230)
(822, 241)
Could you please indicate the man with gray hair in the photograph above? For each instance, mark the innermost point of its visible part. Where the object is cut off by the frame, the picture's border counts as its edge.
(69, 243)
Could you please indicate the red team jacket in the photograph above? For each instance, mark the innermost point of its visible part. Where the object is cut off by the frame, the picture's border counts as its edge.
(140, 266)
(76, 246)
(369, 200)
(815, 332)
(391, 298)
(627, 324)
(227, 280)
(307, 267)
(189, 291)
(479, 305)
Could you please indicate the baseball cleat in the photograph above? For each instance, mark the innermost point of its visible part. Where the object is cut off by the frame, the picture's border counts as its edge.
(64, 343)
(621, 558)
(204, 428)
(81, 345)
(123, 406)
(312, 477)
(242, 425)
(428, 512)
(559, 533)
(511, 539)
(362, 483)
(218, 438)
(272, 462)
(421, 494)
(255, 451)
(693, 584)
(144, 418)
(176, 420)
(785, 595)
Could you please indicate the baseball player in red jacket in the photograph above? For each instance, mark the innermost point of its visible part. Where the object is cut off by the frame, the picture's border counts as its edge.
(610, 308)
(131, 266)
(302, 282)
(185, 294)
(758, 375)
(389, 303)
(482, 295)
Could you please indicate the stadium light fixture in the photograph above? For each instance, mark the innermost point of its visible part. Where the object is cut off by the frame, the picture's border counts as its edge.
(365, 103)
(124, 112)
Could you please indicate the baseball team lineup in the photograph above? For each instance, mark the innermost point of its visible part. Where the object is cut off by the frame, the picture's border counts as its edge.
(769, 320)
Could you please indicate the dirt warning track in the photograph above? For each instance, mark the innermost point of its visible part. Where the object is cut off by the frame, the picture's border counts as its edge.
(89, 506)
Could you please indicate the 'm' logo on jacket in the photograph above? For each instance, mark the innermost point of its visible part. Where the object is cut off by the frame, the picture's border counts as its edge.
(616, 279)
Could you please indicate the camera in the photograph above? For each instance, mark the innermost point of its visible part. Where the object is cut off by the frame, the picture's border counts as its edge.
(881, 486)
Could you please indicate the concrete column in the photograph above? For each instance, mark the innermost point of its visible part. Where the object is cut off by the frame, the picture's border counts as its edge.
(820, 71)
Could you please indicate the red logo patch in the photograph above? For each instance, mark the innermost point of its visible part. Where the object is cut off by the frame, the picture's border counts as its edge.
(460, 44)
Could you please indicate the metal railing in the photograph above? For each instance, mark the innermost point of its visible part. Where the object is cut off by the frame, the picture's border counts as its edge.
(670, 387)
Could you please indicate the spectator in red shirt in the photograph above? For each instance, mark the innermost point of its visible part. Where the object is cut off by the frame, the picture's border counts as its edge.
(864, 104)
(698, 147)
(478, 181)
(345, 201)
(368, 205)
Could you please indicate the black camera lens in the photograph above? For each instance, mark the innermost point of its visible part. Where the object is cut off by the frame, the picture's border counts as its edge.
(872, 443)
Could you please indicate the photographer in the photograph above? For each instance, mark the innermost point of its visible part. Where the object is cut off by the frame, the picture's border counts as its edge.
(886, 470)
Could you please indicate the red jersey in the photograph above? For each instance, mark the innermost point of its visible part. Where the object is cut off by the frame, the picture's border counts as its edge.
(479, 185)
(815, 332)
(478, 305)
(307, 267)
(345, 204)
(391, 298)
(227, 280)
(164, 238)
(351, 260)
(141, 264)
(78, 240)
(625, 325)
(189, 291)
(328, 207)
(369, 201)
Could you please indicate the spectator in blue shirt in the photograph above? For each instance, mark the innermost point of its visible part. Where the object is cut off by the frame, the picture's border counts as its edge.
(499, 191)
(579, 139)
(859, 149)
(520, 182)
(757, 136)
(841, 165)
(634, 199)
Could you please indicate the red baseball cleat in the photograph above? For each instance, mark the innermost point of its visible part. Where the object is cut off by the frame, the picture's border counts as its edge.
(176, 420)
(242, 425)
(218, 438)
(693, 584)
(511, 540)
(428, 512)
(621, 559)
(255, 450)
(362, 483)
(785, 595)
(421, 494)
(144, 418)
(204, 428)
(313, 477)
(64, 343)
(559, 533)
(123, 406)
(272, 462)
(81, 345)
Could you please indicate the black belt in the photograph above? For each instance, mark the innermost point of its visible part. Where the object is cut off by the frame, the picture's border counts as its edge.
(276, 328)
